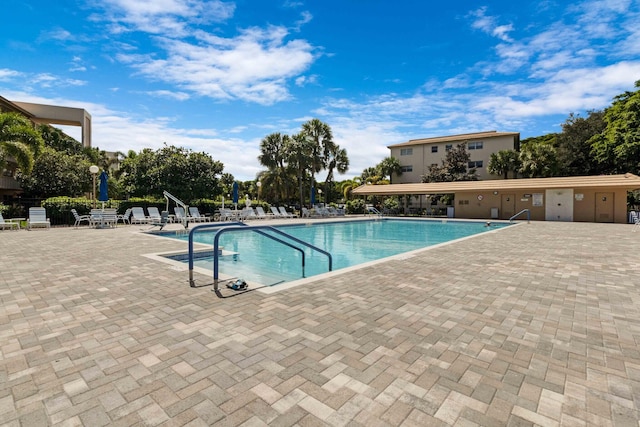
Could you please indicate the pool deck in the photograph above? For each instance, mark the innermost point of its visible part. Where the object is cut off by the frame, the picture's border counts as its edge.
(536, 324)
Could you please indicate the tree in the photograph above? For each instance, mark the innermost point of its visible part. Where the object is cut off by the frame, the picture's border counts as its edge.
(389, 166)
(57, 173)
(18, 140)
(347, 186)
(298, 152)
(58, 140)
(320, 136)
(503, 162)
(617, 148)
(538, 160)
(273, 156)
(183, 173)
(336, 160)
(454, 167)
(573, 144)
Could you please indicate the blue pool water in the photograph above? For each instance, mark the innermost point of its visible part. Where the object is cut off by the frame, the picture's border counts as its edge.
(261, 260)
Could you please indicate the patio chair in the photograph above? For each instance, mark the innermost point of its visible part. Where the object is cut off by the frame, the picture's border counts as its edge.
(125, 217)
(194, 212)
(226, 214)
(306, 213)
(283, 212)
(276, 212)
(80, 218)
(162, 220)
(261, 214)
(10, 225)
(154, 214)
(38, 218)
(248, 213)
(138, 216)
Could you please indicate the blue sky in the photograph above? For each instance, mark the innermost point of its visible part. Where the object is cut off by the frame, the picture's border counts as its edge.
(218, 76)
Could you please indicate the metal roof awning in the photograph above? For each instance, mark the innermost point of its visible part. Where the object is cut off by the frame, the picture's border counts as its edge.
(626, 181)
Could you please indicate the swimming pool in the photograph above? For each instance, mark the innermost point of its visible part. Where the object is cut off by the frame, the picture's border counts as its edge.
(261, 260)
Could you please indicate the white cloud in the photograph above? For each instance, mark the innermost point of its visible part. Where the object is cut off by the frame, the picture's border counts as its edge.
(489, 25)
(253, 67)
(163, 16)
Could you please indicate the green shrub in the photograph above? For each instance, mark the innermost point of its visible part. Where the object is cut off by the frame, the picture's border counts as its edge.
(355, 206)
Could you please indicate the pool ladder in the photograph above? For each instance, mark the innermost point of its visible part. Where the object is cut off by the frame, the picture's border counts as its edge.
(240, 226)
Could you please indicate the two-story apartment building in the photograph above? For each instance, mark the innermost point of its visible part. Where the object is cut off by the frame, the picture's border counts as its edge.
(417, 155)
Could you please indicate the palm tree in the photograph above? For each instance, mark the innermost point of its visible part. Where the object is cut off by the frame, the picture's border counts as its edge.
(389, 166)
(321, 137)
(503, 162)
(18, 140)
(336, 160)
(298, 154)
(348, 185)
(273, 156)
(539, 160)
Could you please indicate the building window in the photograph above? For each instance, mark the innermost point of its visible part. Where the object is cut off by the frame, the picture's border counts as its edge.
(448, 147)
(475, 165)
(475, 145)
(406, 151)
(434, 149)
(406, 169)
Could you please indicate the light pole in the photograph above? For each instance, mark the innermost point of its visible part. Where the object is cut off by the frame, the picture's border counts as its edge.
(319, 195)
(258, 184)
(94, 170)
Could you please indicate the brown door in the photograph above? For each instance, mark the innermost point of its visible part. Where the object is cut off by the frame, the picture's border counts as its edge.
(604, 207)
(508, 208)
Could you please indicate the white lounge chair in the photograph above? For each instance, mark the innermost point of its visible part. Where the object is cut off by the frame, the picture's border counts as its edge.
(276, 212)
(154, 214)
(247, 214)
(10, 225)
(261, 214)
(138, 216)
(38, 218)
(283, 212)
(226, 214)
(180, 214)
(194, 212)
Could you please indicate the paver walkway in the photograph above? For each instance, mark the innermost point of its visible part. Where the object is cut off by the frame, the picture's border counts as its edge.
(536, 324)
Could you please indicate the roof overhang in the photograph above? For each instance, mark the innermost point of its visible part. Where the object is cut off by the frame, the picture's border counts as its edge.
(626, 181)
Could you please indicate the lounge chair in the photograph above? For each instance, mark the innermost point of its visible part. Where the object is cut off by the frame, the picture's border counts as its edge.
(125, 217)
(331, 211)
(38, 218)
(283, 212)
(79, 219)
(226, 214)
(162, 220)
(138, 216)
(194, 212)
(181, 216)
(261, 214)
(248, 213)
(154, 214)
(10, 225)
(276, 212)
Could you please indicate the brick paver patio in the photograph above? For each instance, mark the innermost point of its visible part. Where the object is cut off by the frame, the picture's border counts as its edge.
(536, 324)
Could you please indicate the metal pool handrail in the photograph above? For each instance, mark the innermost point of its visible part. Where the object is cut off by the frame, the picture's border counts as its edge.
(521, 212)
(240, 226)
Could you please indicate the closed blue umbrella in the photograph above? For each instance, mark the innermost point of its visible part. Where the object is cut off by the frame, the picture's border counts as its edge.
(235, 193)
(104, 194)
(313, 196)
